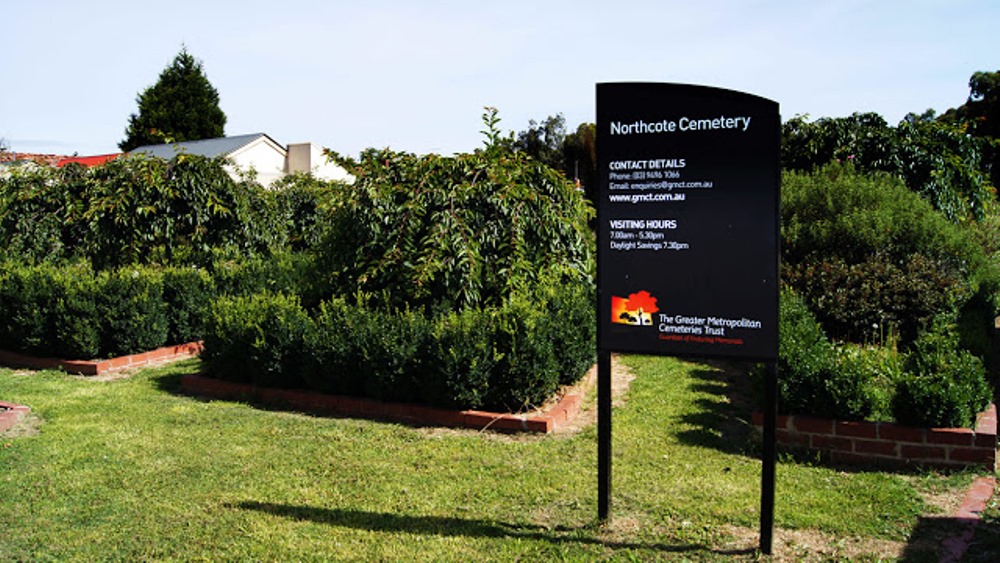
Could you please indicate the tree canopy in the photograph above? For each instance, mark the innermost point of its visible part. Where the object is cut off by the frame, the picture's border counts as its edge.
(182, 106)
(573, 154)
(980, 116)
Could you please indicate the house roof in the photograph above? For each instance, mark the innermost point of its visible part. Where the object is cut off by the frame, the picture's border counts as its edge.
(43, 159)
(222, 146)
(88, 161)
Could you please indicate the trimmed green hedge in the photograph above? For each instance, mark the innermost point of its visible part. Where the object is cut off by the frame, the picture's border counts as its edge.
(511, 358)
(934, 383)
(73, 312)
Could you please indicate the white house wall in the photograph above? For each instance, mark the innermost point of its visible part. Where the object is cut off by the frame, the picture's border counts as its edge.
(262, 157)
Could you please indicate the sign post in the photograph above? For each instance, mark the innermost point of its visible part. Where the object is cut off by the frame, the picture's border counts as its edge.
(687, 215)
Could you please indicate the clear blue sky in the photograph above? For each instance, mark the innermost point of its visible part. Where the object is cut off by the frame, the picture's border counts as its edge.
(415, 76)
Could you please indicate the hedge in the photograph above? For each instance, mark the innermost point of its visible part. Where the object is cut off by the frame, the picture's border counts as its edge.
(934, 383)
(511, 357)
(73, 312)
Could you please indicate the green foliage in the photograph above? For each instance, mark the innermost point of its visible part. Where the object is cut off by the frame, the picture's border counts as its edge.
(944, 386)
(140, 209)
(980, 117)
(935, 159)
(148, 210)
(527, 372)
(188, 294)
(133, 313)
(811, 379)
(464, 357)
(511, 357)
(933, 384)
(282, 272)
(258, 339)
(544, 141)
(574, 154)
(40, 211)
(870, 256)
(452, 232)
(334, 358)
(49, 311)
(301, 199)
(862, 302)
(182, 106)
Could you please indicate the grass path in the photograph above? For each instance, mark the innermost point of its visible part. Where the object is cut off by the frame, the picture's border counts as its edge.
(128, 469)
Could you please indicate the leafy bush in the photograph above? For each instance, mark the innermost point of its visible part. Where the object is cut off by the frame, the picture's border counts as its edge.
(511, 357)
(188, 294)
(25, 295)
(944, 386)
(464, 358)
(258, 339)
(935, 159)
(527, 372)
(132, 309)
(284, 272)
(334, 359)
(138, 209)
(301, 199)
(862, 302)
(446, 233)
(868, 255)
(41, 212)
(49, 311)
(818, 378)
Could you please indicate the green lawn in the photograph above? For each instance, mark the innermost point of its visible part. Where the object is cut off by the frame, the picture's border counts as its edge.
(129, 469)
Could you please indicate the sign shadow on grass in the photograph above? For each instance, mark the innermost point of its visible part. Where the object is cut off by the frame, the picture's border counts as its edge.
(722, 423)
(452, 526)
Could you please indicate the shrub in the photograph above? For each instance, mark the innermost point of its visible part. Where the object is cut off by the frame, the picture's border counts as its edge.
(446, 233)
(511, 357)
(25, 306)
(570, 305)
(464, 358)
(258, 339)
(394, 348)
(132, 309)
(41, 212)
(818, 378)
(188, 294)
(334, 360)
(944, 386)
(862, 302)
(527, 372)
(289, 273)
(300, 199)
(76, 320)
(865, 251)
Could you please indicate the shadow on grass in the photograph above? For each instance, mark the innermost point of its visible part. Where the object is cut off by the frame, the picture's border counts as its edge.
(723, 424)
(168, 378)
(940, 538)
(465, 527)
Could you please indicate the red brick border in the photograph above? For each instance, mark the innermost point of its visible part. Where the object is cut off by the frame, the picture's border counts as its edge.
(100, 367)
(547, 421)
(885, 443)
(11, 414)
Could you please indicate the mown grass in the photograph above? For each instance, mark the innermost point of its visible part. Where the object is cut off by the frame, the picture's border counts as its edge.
(130, 469)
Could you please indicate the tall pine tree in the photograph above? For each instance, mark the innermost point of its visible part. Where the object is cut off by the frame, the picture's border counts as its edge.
(182, 106)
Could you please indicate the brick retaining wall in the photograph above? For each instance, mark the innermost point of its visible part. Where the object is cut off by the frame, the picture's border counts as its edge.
(890, 444)
(100, 367)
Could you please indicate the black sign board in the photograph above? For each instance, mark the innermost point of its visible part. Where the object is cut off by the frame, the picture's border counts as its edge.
(687, 211)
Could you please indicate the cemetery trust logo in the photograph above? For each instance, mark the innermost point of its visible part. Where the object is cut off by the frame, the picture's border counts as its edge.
(637, 309)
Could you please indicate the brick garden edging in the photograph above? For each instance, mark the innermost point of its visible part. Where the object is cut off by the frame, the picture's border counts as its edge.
(547, 421)
(100, 367)
(890, 444)
(11, 414)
